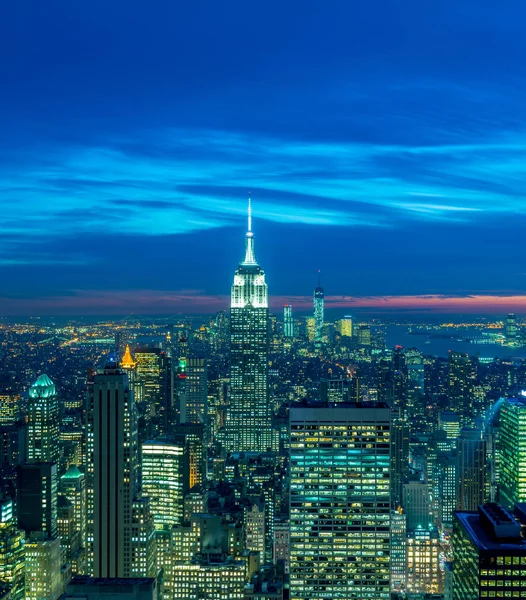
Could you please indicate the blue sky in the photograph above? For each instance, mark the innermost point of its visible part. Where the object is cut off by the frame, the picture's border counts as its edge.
(384, 143)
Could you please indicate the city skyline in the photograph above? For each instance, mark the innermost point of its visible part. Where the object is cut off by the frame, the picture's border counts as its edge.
(388, 154)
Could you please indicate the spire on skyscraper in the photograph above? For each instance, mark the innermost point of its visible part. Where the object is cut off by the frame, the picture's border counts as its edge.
(250, 257)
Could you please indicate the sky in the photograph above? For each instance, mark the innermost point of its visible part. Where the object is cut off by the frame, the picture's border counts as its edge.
(383, 143)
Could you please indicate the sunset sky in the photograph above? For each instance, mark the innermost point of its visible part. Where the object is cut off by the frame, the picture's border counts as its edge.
(383, 143)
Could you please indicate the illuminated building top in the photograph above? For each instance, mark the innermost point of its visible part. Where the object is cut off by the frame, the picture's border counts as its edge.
(42, 388)
(250, 288)
(127, 360)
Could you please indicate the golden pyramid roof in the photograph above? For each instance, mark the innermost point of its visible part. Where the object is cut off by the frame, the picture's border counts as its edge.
(127, 361)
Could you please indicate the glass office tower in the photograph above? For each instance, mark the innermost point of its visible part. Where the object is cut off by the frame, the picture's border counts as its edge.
(340, 502)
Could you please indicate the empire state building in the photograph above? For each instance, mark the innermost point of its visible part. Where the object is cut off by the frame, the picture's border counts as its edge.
(249, 418)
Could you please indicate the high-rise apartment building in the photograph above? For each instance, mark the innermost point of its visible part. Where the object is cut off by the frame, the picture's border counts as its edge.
(112, 473)
(43, 422)
(512, 452)
(319, 312)
(288, 321)
(10, 409)
(339, 502)
(249, 421)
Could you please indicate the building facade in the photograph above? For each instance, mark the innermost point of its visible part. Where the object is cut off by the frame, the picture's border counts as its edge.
(248, 426)
(340, 502)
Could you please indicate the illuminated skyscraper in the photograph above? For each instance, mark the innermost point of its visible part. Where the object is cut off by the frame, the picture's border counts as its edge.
(489, 554)
(510, 328)
(163, 473)
(344, 326)
(153, 371)
(112, 473)
(12, 555)
(43, 422)
(195, 409)
(249, 420)
(9, 409)
(73, 485)
(319, 309)
(288, 321)
(462, 378)
(339, 502)
(512, 451)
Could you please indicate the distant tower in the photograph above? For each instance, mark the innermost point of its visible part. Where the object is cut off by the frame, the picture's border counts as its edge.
(288, 322)
(112, 473)
(248, 425)
(319, 308)
(43, 432)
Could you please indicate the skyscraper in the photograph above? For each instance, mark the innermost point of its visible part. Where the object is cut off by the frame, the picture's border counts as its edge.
(471, 473)
(288, 322)
(489, 554)
(339, 502)
(512, 452)
(319, 316)
(249, 420)
(43, 421)
(12, 555)
(462, 378)
(163, 474)
(112, 471)
(195, 409)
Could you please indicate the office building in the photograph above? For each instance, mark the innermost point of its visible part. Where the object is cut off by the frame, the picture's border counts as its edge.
(339, 390)
(319, 312)
(399, 457)
(112, 473)
(254, 527)
(43, 577)
(203, 579)
(195, 406)
(10, 409)
(510, 328)
(92, 588)
(471, 473)
(398, 551)
(144, 542)
(450, 423)
(73, 485)
(43, 422)
(416, 500)
(37, 486)
(288, 322)
(339, 502)
(164, 463)
(248, 426)
(489, 554)
(461, 380)
(512, 452)
(12, 552)
(363, 334)
(195, 465)
(423, 568)
(153, 371)
(344, 327)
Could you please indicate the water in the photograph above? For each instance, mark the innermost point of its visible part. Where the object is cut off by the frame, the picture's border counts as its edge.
(439, 346)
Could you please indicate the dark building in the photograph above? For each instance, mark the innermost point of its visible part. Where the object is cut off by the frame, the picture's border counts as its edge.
(489, 554)
(37, 486)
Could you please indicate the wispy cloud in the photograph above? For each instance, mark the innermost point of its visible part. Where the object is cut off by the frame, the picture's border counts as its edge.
(182, 181)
